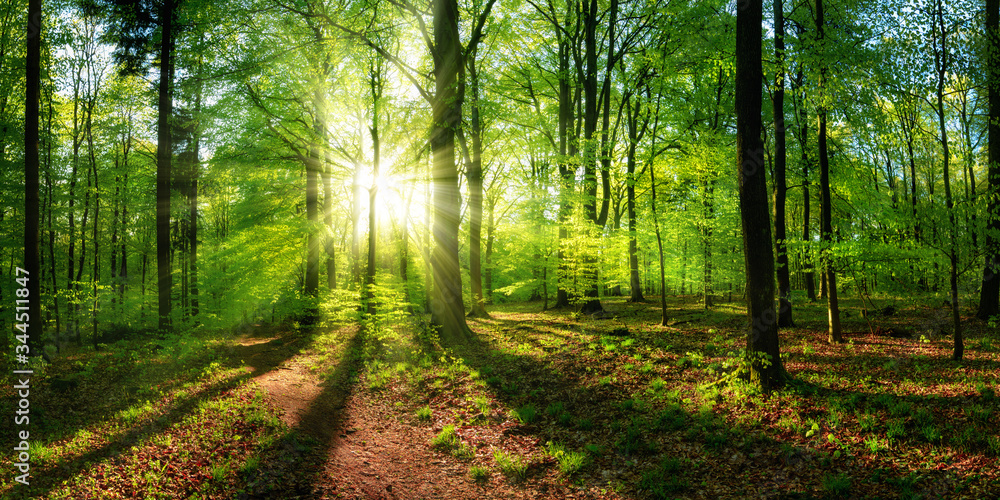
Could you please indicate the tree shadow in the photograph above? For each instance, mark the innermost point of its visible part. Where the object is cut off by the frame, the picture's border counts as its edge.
(293, 467)
(81, 402)
(539, 381)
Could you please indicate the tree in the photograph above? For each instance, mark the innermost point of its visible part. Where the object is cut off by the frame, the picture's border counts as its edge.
(826, 202)
(376, 83)
(989, 295)
(31, 184)
(447, 310)
(762, 335)
(474, 161)
(780, 186)
(134, 24)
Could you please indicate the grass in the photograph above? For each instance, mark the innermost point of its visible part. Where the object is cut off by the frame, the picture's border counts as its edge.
(526, 414)
(570, 462)
(666, 479)
(511, 465)
(479, 474)
(837, 485)
(424, 413)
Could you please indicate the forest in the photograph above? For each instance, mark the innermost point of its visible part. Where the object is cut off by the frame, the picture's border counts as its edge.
(464, 249)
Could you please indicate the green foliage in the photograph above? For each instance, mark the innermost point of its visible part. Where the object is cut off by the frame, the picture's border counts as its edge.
(570, 462)
(424, 413)
(837, 485)
(632, 436)
(525, 414)
(512, 466)
(666, 479)
(479, 474)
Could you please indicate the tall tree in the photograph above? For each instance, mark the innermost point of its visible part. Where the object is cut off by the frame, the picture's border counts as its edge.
(474, 158)
(447, 309)
(376, 83)
(989, 294)
(826, 202)
(164, 153)
(32, 265)
(780, 186)
(942, 63)
(762, 335)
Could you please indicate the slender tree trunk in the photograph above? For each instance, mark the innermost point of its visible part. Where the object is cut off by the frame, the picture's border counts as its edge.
(475, 178)
(941, 63)
(659, 246)
(195, 174)
(164, 149)
(762, 332)
(708, 194)
(488, 256)
(329, 245)
(32, 262)
(404, 255)
(803, 136)
(566, 170)
(123, 272)
(826, 231)
(989, 293)
(780, 184)
(635, 284)
(51, 226)
(95, 276)
(376, 85)
(356, 228)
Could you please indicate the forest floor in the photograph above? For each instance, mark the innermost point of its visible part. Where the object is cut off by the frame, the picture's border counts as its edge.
(540, 405)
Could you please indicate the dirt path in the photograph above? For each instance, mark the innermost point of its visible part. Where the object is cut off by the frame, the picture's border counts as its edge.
(368, 451)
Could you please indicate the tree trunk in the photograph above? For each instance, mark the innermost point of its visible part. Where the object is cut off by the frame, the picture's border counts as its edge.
(51, 225)
(447, 309)
(475, 178)
(164, 149)
(404, 254)
(357, 188)
(635, 284)
(192, 193)
(32, 262)
(488, 256)
(376, 84)
(826, 209)
(803, 136)
(989, 294)
(780, 185)
(659, 246)
(566, 169)
(708, 192)
(762, 334)
(941, 65)
(592, 303)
